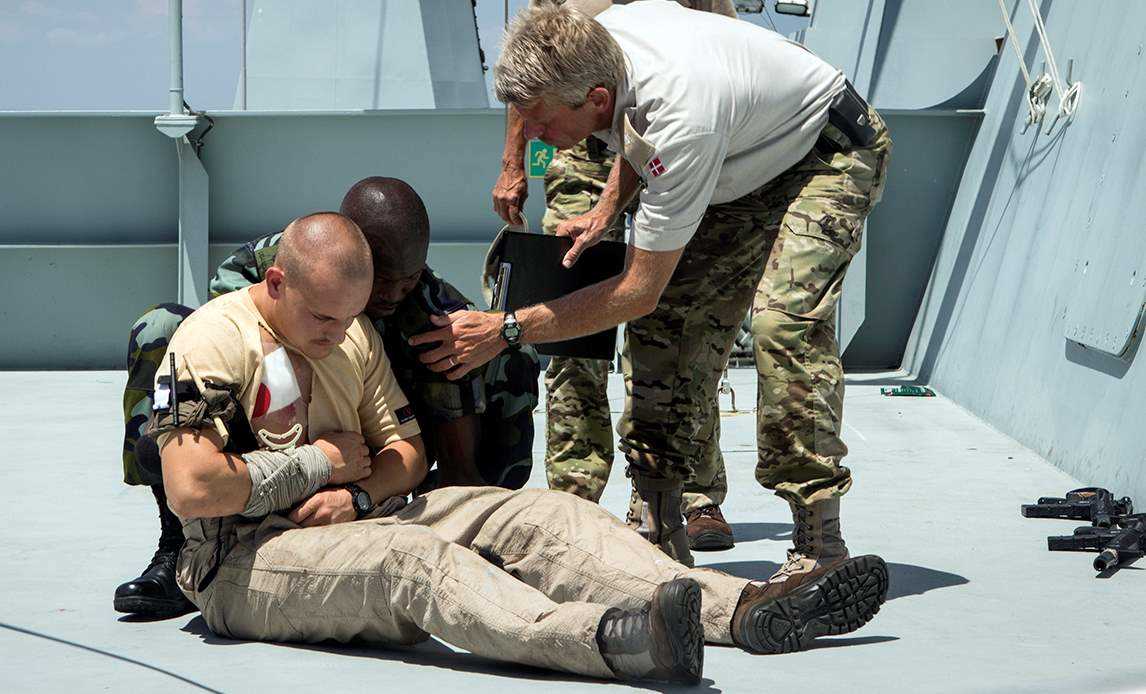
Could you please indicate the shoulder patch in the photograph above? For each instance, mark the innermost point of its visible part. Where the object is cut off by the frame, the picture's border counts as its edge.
(404, 414)
(637, 150)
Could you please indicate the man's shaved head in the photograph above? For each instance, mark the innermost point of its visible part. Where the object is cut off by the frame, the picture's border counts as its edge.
(319, 283)
(393, 218)
(322, 248)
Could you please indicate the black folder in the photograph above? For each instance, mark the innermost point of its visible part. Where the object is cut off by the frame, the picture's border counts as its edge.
(528, 271)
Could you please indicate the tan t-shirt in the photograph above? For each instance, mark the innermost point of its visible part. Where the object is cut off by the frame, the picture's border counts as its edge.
(290, 399)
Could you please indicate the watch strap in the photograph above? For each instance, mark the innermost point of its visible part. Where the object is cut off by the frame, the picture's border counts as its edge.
(355, 492)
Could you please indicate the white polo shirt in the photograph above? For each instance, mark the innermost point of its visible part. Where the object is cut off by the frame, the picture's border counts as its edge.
(715, 107)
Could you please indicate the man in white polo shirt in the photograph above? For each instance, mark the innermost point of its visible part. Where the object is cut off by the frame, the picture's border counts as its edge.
(578, 433)
(757, 164)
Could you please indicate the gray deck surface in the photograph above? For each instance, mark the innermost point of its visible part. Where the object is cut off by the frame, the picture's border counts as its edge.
(976, 601)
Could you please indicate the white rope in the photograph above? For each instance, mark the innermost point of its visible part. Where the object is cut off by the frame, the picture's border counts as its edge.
(1068, 97)
(1038, 90)
(1041, 28)
(1015, 44)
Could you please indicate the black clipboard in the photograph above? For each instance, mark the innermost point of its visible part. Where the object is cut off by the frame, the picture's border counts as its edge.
(527, 270)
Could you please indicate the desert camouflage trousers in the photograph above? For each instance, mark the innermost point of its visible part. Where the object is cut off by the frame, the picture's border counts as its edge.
(578, 429)
(782, 249)
(505, 455)
(521, 576)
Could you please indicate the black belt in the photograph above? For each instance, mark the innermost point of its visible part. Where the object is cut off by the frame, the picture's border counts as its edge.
(849, 115)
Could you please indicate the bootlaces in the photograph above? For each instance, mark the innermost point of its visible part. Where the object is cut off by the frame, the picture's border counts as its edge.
(626, 632)
(794, 563)
(801, 535)
(170, 538)
(163, 555)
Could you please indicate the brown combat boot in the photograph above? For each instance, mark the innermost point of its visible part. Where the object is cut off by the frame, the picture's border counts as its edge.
(819, 547)
(707, 529)
(839, 601)
(664, 641)
(666, 523)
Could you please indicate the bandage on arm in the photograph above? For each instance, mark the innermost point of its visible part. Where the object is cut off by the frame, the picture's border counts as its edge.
(280, 479)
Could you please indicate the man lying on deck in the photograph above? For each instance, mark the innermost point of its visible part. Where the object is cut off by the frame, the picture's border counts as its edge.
(283, 395)
(477, 430)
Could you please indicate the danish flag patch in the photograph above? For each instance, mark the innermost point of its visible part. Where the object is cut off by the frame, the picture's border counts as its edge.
(656, 168)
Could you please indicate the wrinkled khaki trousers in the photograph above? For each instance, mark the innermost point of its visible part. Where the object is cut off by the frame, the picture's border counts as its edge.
(521, 576)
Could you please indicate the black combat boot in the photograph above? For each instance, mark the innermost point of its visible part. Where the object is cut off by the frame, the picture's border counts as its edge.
(666, 522)
(154, 594)
(664, 641)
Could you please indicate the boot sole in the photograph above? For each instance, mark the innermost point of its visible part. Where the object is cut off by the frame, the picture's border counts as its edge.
(679, 607)
(156, 608)
(711, 541)
(839, 602)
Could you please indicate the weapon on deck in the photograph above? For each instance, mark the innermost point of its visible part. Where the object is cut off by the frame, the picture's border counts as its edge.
(1115, 545)
(1092, 504)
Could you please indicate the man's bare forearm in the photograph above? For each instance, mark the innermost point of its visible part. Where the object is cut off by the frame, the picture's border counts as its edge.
(396, 470)
(620, 188)
(513, 154)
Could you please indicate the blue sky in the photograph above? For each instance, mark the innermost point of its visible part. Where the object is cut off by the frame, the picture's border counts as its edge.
(112, 54)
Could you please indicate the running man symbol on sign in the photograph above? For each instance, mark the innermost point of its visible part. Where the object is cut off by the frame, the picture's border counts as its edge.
(539, 157)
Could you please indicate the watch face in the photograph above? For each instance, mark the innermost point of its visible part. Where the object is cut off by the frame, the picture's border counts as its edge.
(511, 330)
(362, 501)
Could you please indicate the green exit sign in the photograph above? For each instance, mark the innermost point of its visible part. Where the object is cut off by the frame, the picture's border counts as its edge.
(539, 156)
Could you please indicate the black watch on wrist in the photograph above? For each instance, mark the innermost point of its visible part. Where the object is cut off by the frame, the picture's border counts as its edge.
(511, 330)
(363, 504)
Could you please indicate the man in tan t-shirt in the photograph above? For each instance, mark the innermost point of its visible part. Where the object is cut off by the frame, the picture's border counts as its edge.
(285, 425)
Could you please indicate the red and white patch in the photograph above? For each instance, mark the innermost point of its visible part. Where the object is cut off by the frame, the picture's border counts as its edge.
(279, 413)
(279, 386)
(656, 168)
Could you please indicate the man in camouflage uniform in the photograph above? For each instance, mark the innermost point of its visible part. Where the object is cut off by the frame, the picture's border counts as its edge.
(757, 164)
(578, 429)
(479, 429)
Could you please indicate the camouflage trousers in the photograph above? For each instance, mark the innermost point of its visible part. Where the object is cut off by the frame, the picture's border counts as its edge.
(505, 454)
(783, 249)
(145, 348)
(579, 435)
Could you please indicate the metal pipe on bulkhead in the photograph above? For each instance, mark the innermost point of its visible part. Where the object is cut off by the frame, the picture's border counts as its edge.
(175, 27)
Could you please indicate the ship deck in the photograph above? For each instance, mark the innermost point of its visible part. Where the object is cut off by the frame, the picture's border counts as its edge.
(976, 602)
